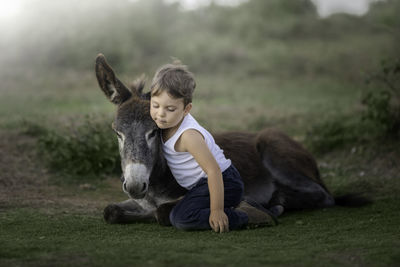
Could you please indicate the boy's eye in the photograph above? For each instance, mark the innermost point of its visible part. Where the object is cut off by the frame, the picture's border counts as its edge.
(171, 109)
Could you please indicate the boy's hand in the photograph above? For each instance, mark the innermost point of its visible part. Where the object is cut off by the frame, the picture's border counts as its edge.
(219, 221)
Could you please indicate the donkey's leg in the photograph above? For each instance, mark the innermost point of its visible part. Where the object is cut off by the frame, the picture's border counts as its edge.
(295, 190)
(294, 171)
(130, 211)
(300, 192)
(163, 211)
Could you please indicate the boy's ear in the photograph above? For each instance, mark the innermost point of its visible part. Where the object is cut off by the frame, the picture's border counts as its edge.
(187, 108)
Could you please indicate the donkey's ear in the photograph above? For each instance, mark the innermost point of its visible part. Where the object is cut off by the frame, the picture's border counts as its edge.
(113, 88)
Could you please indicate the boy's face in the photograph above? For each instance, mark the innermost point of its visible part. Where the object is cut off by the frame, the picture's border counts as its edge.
(166, 111)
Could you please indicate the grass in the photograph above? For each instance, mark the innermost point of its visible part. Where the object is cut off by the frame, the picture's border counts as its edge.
(51, 100)
(328, 237)
(243, 102)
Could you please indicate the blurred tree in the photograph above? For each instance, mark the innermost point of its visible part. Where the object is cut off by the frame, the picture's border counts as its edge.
(275, 37)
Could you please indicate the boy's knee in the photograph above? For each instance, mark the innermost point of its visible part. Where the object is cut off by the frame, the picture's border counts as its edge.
(172, 217)
(180, 221)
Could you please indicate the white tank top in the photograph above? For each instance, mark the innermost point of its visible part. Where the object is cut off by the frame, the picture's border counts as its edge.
(184, 167)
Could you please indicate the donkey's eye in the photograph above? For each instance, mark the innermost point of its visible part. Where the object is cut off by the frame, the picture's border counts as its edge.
(118, 134)
(152, 134)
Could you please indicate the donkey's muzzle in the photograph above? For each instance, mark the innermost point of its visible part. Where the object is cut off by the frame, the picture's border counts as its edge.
(136, 180)
(134, 192)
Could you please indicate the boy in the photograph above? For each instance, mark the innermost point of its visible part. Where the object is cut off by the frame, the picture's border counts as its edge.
(214, 185)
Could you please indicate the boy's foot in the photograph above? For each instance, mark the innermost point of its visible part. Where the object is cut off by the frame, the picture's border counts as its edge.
(258, 215)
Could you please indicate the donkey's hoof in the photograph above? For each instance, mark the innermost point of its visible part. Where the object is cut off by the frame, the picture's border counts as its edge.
(162, 215)
(113, 214)
(277, 210)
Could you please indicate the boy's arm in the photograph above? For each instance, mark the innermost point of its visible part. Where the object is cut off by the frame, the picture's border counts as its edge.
(193, 142)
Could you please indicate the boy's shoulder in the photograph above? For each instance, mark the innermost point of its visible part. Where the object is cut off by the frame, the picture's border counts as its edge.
(191, 133)
(187, 139)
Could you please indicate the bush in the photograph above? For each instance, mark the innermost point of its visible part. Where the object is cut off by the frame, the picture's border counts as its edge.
(381, 117)
(383, 101)
(89, 149)
(333, 133)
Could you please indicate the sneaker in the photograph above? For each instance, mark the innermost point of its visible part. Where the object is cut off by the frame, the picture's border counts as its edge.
(258, 215)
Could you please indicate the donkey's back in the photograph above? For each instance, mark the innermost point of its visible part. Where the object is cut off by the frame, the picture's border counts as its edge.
(275, 169)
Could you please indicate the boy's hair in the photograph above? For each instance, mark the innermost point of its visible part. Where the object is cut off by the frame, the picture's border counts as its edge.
(176, 80)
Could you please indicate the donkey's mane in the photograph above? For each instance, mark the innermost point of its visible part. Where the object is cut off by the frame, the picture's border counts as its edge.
(137, 85)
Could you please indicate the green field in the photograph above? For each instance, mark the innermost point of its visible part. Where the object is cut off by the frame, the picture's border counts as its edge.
(269, 64)
(331, 237)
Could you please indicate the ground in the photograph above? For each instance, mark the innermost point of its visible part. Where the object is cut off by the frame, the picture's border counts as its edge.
(26, 182)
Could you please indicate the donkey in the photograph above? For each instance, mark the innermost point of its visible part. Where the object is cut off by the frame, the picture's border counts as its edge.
(276, 170)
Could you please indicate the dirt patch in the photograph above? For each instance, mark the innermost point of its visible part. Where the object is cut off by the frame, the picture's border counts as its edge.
(20, 176)
(25, 182)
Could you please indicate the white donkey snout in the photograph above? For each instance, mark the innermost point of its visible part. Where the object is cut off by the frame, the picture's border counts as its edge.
(136, 180)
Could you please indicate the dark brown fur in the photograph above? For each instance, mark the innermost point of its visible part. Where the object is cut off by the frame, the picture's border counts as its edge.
(285, 153)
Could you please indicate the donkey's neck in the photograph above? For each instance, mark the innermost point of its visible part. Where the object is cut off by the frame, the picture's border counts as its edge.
(162, 182)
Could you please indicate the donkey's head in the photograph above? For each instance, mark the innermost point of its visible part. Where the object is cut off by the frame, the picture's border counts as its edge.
(138, 135)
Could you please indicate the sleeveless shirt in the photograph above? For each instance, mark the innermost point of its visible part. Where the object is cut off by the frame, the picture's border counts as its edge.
(184, 167)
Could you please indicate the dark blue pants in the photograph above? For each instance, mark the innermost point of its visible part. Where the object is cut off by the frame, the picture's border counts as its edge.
(193, 211)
